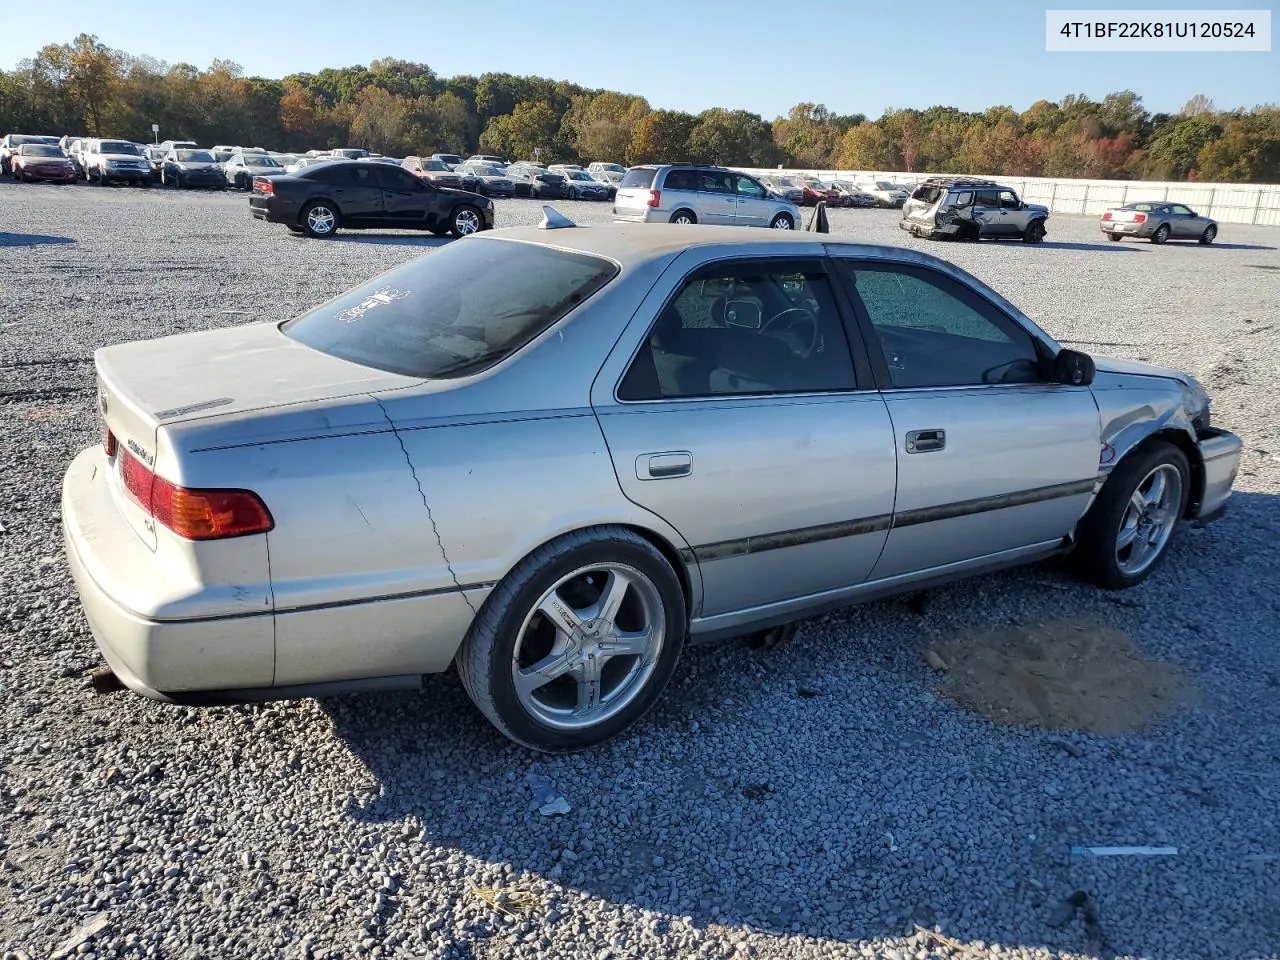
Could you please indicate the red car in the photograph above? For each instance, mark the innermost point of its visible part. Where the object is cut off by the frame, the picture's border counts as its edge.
(815, 190)
(42, 161)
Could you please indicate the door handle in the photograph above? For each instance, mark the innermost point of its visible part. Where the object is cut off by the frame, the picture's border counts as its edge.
(662, 466)
(926, 441)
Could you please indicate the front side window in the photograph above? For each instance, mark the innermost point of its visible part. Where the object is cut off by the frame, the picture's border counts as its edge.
(987, 198)
(741, 329)
(1009, 200)
(934, 332)
(749, 188)
(455, 312)
(1182, 211)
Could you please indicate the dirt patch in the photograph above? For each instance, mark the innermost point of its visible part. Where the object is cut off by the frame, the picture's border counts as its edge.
(1066, 674)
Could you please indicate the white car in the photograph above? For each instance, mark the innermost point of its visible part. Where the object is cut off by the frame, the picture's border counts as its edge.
(597, 168)
(115, 161)
(887, 194)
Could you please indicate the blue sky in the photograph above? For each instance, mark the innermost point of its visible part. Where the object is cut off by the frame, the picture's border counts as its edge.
(759, 55)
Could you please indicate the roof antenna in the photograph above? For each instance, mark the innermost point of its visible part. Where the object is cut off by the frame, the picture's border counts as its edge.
(553, 219)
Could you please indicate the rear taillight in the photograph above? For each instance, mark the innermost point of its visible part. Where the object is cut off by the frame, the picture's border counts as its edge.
(1107, 215)
(262, 186)
(108, 442)
(655, 197)
(194, 514)
(1139, 218)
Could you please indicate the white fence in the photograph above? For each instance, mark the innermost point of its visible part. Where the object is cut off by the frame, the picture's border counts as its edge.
(1226, 202)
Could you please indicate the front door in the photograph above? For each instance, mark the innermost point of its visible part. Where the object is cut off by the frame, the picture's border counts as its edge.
(404, 197)
(1183, 222)
(717, 200)
(992, 459)
(754, 210)
(741, 422)
(992, 221)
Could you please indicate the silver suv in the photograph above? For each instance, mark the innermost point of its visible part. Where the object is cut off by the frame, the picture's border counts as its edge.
(969, 209)
(692, 193)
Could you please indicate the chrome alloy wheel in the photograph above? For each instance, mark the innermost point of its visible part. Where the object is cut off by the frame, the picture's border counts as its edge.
(321, 219)
(466, 222)
(589, 646)
(1149, 519)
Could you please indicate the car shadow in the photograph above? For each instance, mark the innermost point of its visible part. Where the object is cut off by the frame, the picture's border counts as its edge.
(824, 789)
(1110, 247)
(395, 239)
(1225, 246)
(31, 239)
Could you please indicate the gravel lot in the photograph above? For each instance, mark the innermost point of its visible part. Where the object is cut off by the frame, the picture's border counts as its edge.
(816, 801)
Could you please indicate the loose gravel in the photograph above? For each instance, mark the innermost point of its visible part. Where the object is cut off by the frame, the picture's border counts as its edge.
(819, 800)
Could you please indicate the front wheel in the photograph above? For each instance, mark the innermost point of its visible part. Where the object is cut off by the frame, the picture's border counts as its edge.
(466, 220)
(577, 641)
(782, 221)
(1034, 233)
(1124, 535)
(1210, 232)
(320, 219)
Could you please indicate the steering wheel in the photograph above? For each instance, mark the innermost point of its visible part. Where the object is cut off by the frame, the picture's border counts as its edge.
(783, 326)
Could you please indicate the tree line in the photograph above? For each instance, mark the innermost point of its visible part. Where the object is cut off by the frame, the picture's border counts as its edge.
(396, 108)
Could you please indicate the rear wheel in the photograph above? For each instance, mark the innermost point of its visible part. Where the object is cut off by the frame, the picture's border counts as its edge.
(1210, 232)
(1034, 233)
(1115, 236)
(684, 217)
(1161, 234)
(320, 219)
(466, 220)
(1124, 535)
(577, 641)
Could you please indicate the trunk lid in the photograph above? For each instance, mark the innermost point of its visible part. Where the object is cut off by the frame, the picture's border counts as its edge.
(146, 384)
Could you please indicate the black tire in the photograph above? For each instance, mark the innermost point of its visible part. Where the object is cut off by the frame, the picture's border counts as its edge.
(1095, 556)
(315, 229)
(1115, 236)
(684, 216)
(1210, 232)
(1161, 235)
(465, 220)
(782, 221)
(485, 658)
(1034, 233)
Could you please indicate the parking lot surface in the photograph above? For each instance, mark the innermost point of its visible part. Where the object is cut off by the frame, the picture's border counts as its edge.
(820, 800)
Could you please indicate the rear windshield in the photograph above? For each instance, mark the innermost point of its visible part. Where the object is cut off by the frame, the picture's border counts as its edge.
(927, 194)
(454, 312)
(639, 178)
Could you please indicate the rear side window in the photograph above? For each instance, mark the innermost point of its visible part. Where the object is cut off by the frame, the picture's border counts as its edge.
(638, 178)
(454, 312)
(987, 198)
(681, 180)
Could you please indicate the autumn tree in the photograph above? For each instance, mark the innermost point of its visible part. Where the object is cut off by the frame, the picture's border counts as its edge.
(530, 126)
(732, 137)
(661, 136)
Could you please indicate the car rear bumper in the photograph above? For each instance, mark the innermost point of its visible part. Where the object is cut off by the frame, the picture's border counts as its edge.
(1220, 459)
(272, 209)
(149, 655)
(1127, 229)
(928, 228)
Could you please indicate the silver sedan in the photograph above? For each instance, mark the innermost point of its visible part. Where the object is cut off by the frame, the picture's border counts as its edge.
(552, 457)
(1157, 222)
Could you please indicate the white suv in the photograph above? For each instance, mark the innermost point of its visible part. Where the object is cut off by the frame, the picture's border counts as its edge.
(115, 161)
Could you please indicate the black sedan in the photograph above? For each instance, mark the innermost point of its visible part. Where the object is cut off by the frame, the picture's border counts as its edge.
(192, 168)
(359, 196)
(537, 182)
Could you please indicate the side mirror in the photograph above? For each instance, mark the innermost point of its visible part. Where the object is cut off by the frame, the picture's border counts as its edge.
(743, 313)
(1073, 368)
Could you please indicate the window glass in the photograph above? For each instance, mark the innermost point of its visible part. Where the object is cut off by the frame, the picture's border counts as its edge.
(456, 312)
(1009, 200)
(741, 330)
(395, 178)
(963, 199)
(987, 198)
(749, 188)
(711, 182)
(681, 180)
(1180, 209)
(935, 333)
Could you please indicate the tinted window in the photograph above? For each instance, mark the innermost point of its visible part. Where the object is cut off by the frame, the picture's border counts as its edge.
(393, 178)
(118, 146)
(194, 156)
(1009, 200)
(454, 312)
(681, 180)
(715, 182)
(639, 178)
(749, 188)
(987, 198)
(744, 330)
(39, 150)
(936, 333)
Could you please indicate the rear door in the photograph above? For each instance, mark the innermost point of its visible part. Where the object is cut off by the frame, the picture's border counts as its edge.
(354, 189)
(740, 417)
(717, 199)
(406, 200)
(992, 459)
(632, 199)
